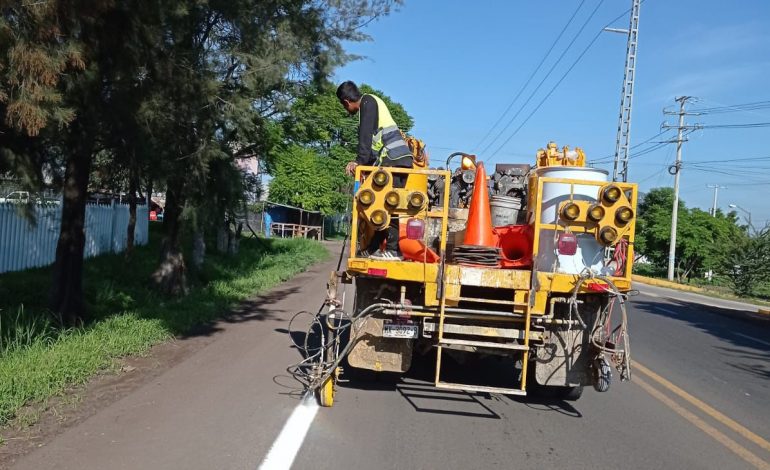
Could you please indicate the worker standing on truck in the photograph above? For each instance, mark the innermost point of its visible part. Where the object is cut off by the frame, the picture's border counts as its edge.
(380, 143)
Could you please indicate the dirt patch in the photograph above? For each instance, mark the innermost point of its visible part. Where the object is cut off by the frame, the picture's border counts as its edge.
(38, 424)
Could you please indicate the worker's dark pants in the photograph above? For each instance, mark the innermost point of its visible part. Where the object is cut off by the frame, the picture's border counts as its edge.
(391, 233)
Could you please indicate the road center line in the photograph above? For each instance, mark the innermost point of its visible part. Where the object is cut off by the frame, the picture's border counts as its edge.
(741, 451)
(286, 446)
(752, 338)
(730, 423)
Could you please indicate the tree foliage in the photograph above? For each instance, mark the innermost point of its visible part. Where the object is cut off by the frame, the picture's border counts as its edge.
(329, 136)
(171, 93)
(702, 240)
(747, 263)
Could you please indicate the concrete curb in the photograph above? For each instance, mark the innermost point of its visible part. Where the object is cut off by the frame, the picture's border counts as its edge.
(763, 311)
(661, 283)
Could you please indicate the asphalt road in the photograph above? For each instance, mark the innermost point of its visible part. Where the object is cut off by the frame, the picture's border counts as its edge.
(698, 399)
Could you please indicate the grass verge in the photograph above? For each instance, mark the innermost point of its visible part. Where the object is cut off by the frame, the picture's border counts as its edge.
(37, 360)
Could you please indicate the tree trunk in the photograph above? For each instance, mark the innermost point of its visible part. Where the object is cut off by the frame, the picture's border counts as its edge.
(223, 236)
(171, 275)
(66, 296)
(199, 249)
(132, 188)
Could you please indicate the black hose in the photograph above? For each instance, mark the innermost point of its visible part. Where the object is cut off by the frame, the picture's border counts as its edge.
(450, 157)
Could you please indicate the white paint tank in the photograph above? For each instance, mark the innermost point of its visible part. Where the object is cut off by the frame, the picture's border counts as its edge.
(589, 252)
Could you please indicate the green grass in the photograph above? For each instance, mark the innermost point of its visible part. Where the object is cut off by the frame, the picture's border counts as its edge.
(38, 361)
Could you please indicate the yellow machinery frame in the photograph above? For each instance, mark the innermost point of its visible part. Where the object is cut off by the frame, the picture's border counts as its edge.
(532, 288)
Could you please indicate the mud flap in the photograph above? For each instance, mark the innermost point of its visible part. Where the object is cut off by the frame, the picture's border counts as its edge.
(373, 352)
(565, 359)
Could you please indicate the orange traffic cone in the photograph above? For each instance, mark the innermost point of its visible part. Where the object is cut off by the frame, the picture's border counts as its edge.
(478, 229)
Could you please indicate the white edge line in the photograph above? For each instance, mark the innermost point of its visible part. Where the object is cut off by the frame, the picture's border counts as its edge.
(286, 446)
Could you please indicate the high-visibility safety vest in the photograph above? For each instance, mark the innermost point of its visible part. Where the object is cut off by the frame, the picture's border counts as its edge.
(388, 142)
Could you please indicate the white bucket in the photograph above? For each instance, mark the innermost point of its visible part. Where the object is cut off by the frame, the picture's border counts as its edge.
(504, 210)
(589, 252)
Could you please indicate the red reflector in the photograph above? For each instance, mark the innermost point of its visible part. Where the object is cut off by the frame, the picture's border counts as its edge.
(415, 229)
(567, 243)
(596, 287)
(377, 272)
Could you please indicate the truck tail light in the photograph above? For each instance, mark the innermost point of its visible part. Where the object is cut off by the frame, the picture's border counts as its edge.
(377, 272)
(415, 229)
(567, 243)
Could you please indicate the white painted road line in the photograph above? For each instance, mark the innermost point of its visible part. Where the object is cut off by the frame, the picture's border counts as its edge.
(753, 339)
(286, 446)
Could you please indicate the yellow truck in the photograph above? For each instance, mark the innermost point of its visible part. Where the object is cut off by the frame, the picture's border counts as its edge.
(532, 262)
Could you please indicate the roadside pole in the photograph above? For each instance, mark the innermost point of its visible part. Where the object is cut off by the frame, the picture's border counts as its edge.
(677, 170)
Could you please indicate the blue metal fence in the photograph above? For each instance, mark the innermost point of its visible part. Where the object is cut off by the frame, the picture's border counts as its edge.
(25, 244)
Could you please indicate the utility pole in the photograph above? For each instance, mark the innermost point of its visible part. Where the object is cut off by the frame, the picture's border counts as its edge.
(623, 141)
(676, 170)
(716, 189)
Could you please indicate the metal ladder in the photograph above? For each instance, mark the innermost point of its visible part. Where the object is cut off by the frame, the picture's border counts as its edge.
(445, 342)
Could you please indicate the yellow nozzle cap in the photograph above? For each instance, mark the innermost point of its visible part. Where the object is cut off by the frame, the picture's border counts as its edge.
(596, 213)
(366, 197)
(611, 194)
(378, 218)
(570, 211)
(380, 177)
(392, 199)
(417, 200)
(608, 235)
(624, 215)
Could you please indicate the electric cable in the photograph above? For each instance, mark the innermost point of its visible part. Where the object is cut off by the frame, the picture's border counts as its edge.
(548, 74)
(590, 44)
(531, 76)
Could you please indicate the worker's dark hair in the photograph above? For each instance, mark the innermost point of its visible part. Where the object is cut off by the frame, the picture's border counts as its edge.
(348, 91)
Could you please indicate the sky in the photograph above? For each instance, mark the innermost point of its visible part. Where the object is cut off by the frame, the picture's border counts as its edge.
(456, 66)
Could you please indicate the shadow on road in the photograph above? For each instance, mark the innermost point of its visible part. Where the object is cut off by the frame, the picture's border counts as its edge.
(257, 309)
(416, 387)
(749, 336)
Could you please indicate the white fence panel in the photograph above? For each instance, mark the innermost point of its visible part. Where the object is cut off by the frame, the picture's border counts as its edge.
(24, 244)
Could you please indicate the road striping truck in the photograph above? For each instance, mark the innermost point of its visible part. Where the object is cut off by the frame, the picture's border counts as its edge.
(532, 263)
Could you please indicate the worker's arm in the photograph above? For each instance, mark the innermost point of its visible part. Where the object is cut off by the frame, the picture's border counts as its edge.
(366, 130)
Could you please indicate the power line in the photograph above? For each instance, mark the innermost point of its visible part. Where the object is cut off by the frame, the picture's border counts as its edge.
(611, 157)
(749, 125)
(733, 108)
(733, 160)
(548, 74)
(532, 75)
(590, 44)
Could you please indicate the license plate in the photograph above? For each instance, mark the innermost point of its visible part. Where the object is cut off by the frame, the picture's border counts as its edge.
(400, 330)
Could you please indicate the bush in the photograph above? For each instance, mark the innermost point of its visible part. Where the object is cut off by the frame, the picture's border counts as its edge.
(748, 263)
